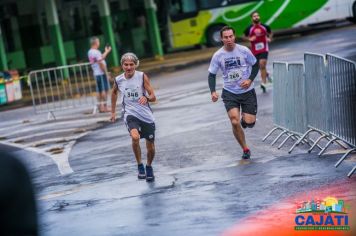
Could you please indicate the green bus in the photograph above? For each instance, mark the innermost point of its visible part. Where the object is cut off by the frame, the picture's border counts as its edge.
(197, 22)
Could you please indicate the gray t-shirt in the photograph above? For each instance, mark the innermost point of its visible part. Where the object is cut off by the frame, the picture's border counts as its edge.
(131, 90)
(236, 66)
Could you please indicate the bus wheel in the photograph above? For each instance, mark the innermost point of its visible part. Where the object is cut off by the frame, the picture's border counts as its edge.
(213, 36)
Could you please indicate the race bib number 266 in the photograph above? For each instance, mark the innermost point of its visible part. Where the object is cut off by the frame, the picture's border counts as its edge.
(235, 75)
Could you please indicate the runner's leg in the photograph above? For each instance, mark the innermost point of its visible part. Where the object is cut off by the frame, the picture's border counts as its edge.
(263, 70)
(135, 136)
(151, 150)
(234, 115)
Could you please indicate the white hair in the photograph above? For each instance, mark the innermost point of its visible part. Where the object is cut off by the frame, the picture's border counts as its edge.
(131, 57)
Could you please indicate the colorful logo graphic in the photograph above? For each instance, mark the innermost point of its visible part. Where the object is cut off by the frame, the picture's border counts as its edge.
(327, 214)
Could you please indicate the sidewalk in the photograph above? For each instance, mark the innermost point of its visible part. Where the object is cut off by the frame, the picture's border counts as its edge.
(172, 61)
(176, 61)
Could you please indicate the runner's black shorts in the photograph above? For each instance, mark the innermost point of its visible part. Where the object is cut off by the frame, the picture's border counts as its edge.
(246, 102)
(146, 130)
(262, 55)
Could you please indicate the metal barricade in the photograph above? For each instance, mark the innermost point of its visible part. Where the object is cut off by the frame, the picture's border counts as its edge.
(296, 74)
(280, 73)
(342, 75)
(320, 98)
(295, 102)
(64, 87)
(317, 93)
(288, 102)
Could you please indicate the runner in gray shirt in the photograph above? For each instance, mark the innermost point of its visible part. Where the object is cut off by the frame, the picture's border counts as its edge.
(136, 93)
(239, 69)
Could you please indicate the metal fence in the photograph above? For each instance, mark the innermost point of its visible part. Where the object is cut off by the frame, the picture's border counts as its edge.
(288, 102)
(319, 96)
(61, 88)
(279, 115)
(342, 75)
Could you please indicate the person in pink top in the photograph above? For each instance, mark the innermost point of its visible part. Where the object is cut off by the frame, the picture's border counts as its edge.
(259, 35)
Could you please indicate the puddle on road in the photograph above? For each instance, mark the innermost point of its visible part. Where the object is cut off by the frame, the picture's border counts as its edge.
(72, 205)
(244, 162)
(56, 150)
(38, 144)
(78, 131)
(19, 141)
(103, 121)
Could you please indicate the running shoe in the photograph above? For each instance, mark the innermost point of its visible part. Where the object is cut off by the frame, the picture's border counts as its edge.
(246, 155)
(263, 87)
(243, 124)
(269, 78)
(141, 171)
(149, 174)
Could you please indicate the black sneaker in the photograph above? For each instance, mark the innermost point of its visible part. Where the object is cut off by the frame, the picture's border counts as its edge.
(141, 171)
(263, 87)
(246, 155)
(243, 124)
(149, 174)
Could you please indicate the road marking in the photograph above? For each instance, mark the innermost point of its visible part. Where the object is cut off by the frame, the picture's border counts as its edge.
(57, 145)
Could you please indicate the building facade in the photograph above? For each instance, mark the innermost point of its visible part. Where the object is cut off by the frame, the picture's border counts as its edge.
(46, 33)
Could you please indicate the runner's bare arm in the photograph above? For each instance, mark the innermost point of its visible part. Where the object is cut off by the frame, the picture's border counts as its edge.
(114, 95)
(102, 66)
(151, 94)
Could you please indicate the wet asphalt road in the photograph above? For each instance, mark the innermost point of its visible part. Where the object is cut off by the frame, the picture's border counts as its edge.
(202, 186)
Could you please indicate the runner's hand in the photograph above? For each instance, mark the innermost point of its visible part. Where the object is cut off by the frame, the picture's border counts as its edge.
(214, 96)
(246, 84)
(252, 38)
(142, 100)
(113, 117)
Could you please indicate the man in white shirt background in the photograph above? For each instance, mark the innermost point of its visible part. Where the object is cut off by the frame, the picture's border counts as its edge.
(98, 64)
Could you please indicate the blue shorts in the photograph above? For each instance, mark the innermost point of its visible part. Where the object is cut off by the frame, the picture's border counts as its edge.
(101, 83)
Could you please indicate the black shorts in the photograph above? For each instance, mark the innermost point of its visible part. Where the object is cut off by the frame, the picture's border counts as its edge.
(262, 55)
(247, 102)
(146, 130)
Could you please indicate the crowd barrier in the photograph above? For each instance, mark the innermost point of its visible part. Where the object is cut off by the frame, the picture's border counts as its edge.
(64, 87)
(317, 96)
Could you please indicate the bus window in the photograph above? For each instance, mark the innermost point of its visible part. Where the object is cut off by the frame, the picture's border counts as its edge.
(189, 6)
(212, 4)
(182, 9)
(233, 2)
(182, 6)
(203, 4)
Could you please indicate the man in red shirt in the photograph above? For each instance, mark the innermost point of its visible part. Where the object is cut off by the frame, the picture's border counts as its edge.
(259, 35)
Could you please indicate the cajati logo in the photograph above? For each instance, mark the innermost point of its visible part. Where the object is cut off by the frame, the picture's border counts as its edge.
(327, 214)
